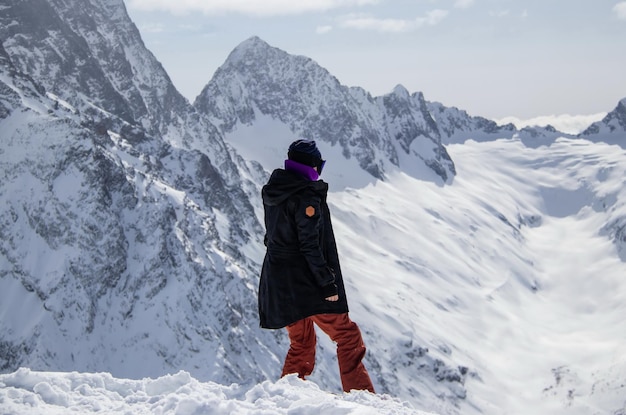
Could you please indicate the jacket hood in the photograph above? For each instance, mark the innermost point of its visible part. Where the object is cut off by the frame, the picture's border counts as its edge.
(284, 183)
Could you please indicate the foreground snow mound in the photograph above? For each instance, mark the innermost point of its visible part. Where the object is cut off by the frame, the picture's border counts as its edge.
(29, 392)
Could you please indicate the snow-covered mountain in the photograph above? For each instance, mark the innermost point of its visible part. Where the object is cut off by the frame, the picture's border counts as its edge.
(125, 224)
(611, 129)
(130, 242)
(130, 235)
(258, 81)
(92, 56)
(457, 126)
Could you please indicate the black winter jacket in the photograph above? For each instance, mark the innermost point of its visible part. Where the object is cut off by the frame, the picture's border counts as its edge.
(301, 265)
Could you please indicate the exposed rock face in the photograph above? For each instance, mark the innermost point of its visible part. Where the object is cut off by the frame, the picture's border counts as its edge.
(120, 206)
(258, 79)
(611, 129)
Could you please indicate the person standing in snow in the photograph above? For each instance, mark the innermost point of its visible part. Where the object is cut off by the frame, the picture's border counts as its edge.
(301, 282)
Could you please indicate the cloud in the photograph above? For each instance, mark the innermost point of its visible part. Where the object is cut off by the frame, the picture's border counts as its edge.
(570, 124)
(620, 10)
(393, 25)
(322, 30)
(435, 16)
(463, 4)
(263, 8)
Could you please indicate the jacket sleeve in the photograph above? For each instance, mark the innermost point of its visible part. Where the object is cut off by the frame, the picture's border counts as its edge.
(308, 223)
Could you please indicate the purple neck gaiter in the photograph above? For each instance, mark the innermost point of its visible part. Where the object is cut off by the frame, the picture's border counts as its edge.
(302, 169)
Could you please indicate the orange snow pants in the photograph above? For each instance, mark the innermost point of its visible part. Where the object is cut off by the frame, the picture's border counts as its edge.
(350, 349)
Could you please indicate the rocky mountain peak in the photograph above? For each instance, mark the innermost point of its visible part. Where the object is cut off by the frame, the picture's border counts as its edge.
(128, 198)
(401, 92)
(90, 54)
(260, 80)
(620, 113)
(253, 45)
(611, 129)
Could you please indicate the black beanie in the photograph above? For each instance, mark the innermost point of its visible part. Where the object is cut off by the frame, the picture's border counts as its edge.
(305, 152)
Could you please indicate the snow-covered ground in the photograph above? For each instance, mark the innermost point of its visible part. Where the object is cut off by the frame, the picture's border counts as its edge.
(510, 271)
(27, 392)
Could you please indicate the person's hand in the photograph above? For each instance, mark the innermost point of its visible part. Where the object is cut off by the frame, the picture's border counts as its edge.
(330, 292)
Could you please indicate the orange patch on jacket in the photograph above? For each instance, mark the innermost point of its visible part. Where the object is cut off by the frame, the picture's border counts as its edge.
(309, 211)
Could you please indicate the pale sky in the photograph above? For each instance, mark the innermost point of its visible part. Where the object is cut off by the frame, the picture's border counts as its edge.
(493, 58)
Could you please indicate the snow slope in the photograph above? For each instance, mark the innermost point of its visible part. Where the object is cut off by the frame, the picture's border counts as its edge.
(508, 270)
(508, 274)
(512, 274)
(27, 392)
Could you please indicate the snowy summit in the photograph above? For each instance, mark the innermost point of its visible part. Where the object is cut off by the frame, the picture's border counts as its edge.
(27, 393)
